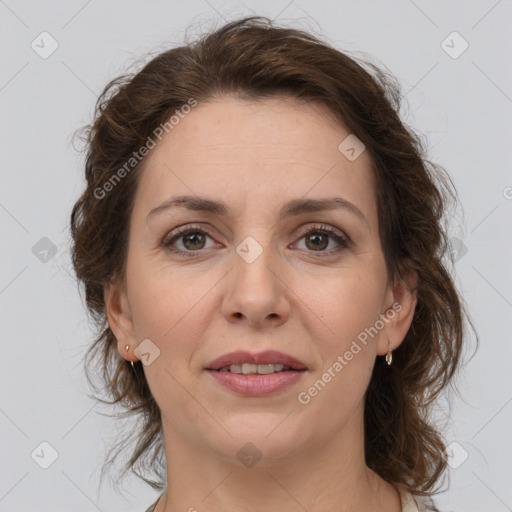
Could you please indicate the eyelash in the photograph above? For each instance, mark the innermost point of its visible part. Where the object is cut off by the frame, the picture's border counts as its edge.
(180, 232)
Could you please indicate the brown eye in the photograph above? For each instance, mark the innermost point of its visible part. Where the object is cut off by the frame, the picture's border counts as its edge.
(317, 241)
(193, 241)
(320, 237)
(187, 241)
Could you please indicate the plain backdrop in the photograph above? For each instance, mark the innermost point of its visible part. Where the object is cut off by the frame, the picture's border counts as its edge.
(453, 62)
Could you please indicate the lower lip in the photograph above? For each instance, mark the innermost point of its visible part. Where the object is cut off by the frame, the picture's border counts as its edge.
(256, 384)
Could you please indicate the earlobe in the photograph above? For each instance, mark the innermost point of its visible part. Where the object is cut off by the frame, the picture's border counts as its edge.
(120, 318)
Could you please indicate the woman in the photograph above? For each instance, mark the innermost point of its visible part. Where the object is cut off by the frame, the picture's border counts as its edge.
(261, 246)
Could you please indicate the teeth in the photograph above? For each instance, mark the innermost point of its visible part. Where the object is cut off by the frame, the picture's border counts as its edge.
(249, 368)
(261, 369)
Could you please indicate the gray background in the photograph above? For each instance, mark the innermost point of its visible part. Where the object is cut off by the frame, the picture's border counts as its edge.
(462, 105)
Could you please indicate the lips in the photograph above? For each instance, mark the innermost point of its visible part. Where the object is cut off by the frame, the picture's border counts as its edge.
(268, 357)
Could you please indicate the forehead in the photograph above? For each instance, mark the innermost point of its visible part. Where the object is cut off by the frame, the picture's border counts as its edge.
(269, 150)
(278, 126)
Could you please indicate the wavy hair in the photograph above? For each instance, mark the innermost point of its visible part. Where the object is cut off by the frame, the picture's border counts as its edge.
(253, 58)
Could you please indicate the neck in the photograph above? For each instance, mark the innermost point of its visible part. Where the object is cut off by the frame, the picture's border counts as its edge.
(328, 475)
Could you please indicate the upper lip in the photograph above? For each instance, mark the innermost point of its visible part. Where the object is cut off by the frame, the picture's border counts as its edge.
(266, 357)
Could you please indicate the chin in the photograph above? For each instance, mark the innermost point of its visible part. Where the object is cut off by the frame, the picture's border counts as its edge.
(260, 439)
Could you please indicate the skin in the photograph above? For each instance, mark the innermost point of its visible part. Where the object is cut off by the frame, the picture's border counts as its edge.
(256, 156)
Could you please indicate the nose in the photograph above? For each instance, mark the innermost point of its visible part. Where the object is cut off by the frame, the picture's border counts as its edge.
(257, 292)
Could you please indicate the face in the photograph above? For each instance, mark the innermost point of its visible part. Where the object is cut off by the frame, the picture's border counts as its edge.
(202, 283)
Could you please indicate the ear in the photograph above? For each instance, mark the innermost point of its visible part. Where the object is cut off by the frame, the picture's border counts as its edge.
(119, 317)
(401, 302)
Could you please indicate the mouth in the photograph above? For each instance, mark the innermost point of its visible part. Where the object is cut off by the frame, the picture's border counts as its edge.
(262, 363)
(259, 369)
(256, 374)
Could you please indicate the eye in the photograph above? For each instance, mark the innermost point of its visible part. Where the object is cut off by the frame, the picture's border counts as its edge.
(318, 238)
(191, 238)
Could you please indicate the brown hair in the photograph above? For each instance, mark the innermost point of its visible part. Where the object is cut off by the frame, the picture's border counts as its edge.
(254, 59)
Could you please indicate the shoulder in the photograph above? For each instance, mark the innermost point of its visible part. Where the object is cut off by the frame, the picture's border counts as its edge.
(152, 507)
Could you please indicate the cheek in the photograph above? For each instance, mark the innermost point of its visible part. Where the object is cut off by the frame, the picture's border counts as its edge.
(343, 309)
(161, 295)
(348, 307)
(173, 308)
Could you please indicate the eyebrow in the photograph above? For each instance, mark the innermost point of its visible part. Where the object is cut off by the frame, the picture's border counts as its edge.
(292, 208)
